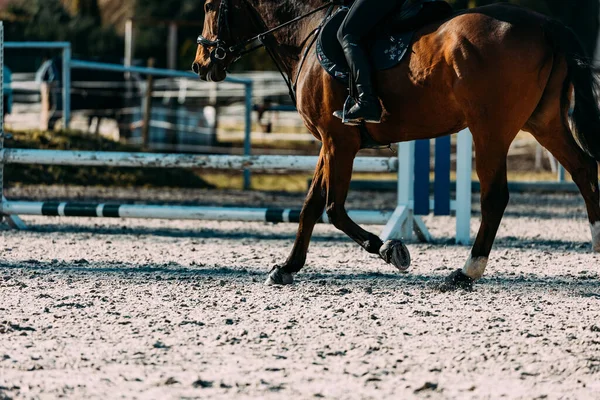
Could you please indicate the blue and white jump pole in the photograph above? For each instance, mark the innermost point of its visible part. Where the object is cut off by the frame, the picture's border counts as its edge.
(400, 223)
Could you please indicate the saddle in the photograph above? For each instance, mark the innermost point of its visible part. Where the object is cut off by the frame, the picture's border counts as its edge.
(387, 45)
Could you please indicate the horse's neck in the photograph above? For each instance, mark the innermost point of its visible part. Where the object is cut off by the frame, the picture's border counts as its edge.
(276, 12)
(290, 40)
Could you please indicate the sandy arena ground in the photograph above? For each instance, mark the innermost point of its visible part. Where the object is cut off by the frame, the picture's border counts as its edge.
(156, 309)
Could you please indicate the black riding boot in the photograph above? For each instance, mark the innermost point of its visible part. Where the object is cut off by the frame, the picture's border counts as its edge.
(366, 106)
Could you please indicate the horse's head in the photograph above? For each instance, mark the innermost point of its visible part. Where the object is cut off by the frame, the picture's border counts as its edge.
(220, 45)
(216, 43)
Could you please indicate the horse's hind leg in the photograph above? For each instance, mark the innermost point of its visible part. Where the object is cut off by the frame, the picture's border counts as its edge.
(310, 214)
(491, 170)
(548, 126)
(584, 169)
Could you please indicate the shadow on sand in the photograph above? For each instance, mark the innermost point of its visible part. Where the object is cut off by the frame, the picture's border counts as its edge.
(507, 242)
(586, 285)
(199, 233)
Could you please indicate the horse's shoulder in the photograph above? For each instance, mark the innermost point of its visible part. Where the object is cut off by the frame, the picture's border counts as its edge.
(315, 83)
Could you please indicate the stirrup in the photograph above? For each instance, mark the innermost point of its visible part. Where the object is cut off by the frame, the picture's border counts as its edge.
(348, 104)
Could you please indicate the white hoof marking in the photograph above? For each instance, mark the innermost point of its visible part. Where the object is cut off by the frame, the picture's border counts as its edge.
(475, 267)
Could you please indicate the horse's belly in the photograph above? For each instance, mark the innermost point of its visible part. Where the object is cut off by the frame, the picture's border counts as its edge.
(418, 122)
(417, 110)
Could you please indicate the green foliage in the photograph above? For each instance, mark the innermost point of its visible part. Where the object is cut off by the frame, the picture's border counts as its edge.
(151, 37)
(152, 29)
(48, 20)
(89, 9)
(101, 176)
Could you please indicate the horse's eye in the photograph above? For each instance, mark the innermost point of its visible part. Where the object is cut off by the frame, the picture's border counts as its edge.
(208, 7)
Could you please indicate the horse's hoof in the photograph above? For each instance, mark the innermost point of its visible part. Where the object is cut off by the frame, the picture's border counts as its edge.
(396, 253)
(457, 280)
(278, 277)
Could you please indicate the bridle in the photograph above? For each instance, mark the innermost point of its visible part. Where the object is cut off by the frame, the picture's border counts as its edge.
(221, 50)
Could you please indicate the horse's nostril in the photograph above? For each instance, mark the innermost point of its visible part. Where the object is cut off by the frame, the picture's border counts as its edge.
(196, 68)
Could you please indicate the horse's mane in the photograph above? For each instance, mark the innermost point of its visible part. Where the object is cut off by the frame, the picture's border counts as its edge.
(274, 12)
(286, 9)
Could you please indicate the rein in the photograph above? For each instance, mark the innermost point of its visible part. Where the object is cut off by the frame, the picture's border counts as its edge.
(221, 50)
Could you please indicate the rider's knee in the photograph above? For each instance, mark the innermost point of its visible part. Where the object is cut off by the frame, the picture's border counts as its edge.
(341, 33)
(345, 35)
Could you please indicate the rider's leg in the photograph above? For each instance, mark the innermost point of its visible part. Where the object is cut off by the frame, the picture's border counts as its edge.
(367, 106)
(363, 17)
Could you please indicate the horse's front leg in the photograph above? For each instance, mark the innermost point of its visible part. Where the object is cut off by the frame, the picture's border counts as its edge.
(338, 175)
(310, 214)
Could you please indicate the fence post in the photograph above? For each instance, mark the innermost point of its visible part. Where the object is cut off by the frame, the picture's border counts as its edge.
(12, 220)
(67, 87)
(422, 168)
(128, 62)
(172, 46)
(561, 174)
(441, 191)
(1, 114)
(147, 116)
(464, 169)
(129, 45)
(406, 185)
(248, 133)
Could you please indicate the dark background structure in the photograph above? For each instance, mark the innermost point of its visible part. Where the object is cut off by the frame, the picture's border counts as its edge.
(581, 15)
(95, 27)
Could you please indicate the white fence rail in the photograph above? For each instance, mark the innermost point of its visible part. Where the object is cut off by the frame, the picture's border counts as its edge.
(155, 160)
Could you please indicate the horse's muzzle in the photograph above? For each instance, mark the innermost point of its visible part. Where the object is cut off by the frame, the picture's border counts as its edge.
(210, 73)
(196, 68)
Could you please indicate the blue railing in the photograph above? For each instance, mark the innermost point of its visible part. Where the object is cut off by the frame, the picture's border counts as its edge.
(69, 64)
(165, 73)
(66, 78)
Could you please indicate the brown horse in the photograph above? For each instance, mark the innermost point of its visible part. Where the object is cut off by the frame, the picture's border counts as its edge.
(497, 69)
